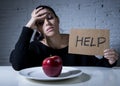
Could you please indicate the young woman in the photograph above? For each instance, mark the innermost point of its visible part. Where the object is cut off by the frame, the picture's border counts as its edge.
(30, 54)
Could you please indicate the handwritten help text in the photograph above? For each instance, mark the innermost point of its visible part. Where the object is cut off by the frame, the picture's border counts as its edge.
(89, 41)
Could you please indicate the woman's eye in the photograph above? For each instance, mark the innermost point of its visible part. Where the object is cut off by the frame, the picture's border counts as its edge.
(40, 22)
(49, 17)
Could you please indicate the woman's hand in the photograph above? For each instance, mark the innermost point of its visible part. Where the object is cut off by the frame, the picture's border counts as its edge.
(111, 55)
(36, 15)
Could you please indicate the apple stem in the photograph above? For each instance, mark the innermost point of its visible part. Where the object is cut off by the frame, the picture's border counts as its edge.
(50, 55)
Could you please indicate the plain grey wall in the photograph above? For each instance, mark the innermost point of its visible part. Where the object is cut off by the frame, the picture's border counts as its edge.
(101, 14)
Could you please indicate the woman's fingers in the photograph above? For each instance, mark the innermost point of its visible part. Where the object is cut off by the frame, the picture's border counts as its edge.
(111, 55)
(39, 13)
(111, 61)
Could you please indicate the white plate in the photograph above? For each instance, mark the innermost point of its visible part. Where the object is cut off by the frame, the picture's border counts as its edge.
(37, 73)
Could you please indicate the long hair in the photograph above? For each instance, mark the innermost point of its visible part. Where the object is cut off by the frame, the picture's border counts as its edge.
(39, 36)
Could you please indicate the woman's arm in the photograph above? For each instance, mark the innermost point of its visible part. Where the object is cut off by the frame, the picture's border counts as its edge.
(19, 57)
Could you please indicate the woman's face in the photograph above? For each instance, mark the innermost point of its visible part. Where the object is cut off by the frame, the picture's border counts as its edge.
(48, 24)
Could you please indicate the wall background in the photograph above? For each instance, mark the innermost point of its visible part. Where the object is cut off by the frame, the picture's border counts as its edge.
(101, 14)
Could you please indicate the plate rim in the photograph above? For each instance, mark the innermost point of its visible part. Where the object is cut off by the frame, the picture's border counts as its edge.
(49, 78)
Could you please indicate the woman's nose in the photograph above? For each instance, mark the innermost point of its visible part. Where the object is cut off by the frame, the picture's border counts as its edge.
(46, 22)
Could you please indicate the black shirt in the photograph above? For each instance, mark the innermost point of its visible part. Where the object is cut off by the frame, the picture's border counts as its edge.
(31, 54)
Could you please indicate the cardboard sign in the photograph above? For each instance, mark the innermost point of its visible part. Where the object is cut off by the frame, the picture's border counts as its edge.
(88, 41)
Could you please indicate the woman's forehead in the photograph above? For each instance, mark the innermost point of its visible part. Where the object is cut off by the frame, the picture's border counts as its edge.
(45, 10)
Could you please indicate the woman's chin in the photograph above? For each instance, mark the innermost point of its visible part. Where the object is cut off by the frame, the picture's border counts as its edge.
(50, 34)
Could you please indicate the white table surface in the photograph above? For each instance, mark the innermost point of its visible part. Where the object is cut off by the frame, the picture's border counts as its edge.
(91, 76)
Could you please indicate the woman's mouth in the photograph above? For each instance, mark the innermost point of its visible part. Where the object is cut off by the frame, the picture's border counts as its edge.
(49, 29)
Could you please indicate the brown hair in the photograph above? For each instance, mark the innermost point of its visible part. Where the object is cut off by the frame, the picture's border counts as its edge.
(47, 7)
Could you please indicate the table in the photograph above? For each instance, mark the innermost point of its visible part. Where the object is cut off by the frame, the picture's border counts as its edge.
(91, 76)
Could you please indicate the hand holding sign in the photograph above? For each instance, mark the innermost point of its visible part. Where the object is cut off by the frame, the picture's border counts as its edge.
(88, 41)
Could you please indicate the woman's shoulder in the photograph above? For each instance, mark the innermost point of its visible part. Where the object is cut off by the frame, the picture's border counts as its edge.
(42, 43)
(36, 43)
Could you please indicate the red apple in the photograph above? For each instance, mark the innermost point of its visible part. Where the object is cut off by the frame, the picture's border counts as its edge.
(52, 66)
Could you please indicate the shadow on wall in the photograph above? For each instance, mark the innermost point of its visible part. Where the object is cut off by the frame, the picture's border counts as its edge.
(118, 63)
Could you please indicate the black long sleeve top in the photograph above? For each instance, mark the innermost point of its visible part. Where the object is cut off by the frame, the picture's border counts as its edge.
(31, 54)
